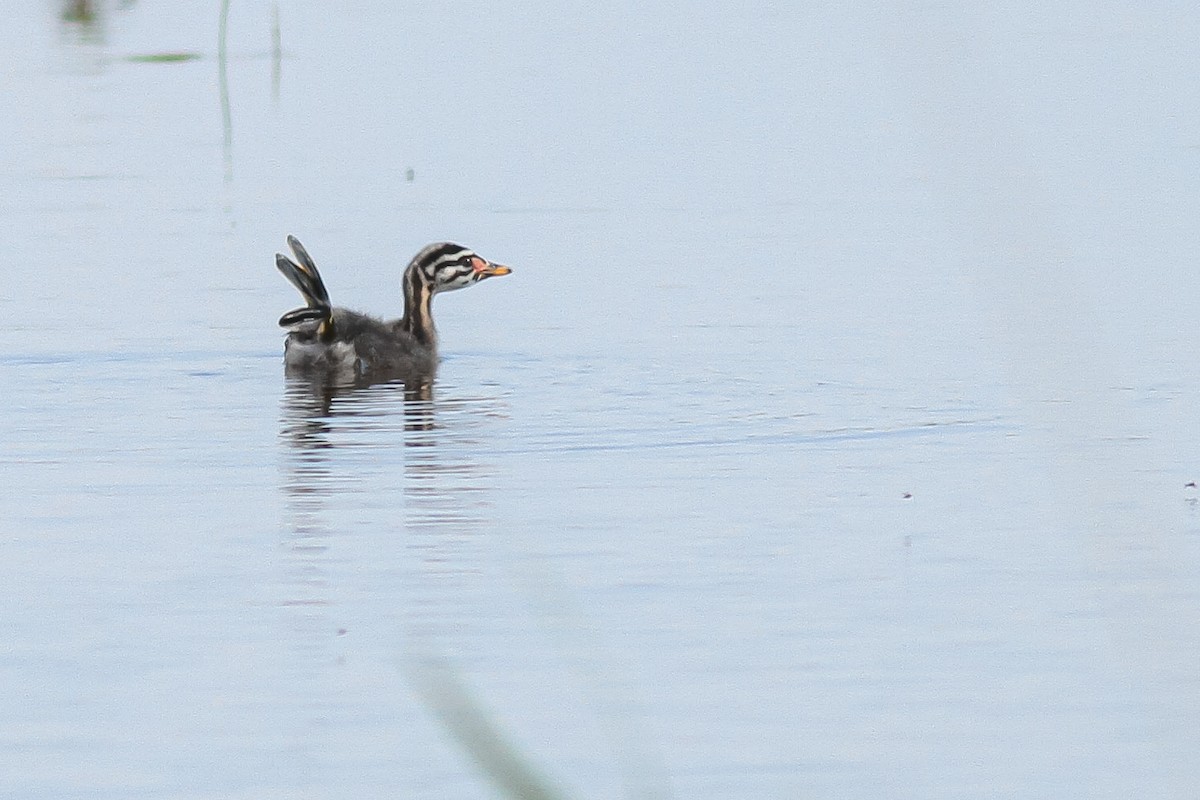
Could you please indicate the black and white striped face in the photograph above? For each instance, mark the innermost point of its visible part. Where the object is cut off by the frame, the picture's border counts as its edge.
(446, 266)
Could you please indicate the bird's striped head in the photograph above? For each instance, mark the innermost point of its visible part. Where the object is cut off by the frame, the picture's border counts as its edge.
(445, 266)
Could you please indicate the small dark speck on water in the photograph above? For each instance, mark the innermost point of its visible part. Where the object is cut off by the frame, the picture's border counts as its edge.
(1190, 485)
(908, 495)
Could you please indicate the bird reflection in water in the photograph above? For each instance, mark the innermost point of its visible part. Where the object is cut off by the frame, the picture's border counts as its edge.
(384, 498)
(390, 454)
(446, 609)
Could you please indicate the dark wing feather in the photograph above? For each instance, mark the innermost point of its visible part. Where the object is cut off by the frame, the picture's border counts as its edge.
(296, 275)
(309, 268)
(307, 280)
(299, 316)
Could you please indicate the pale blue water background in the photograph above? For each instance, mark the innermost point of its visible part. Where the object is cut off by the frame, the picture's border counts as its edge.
(830, 439)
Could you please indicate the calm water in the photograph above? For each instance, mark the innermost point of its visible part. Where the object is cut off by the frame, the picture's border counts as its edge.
(832, 437)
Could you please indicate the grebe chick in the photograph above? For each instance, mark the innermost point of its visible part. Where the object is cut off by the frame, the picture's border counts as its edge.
(323, 339)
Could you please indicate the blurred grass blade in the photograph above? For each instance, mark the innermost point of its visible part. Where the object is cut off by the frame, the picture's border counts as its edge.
(163, 58)
(276, 52)
(440, 688)
(223, 89)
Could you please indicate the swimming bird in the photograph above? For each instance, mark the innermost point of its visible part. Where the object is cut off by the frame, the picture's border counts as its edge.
(343, 344)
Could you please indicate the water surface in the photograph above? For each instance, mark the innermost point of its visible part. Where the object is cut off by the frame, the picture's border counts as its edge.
(832, 437)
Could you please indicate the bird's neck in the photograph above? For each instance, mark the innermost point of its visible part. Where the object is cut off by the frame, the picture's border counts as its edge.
(418, 319)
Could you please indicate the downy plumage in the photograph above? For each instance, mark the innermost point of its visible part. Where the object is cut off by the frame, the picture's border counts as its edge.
(347, 345)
